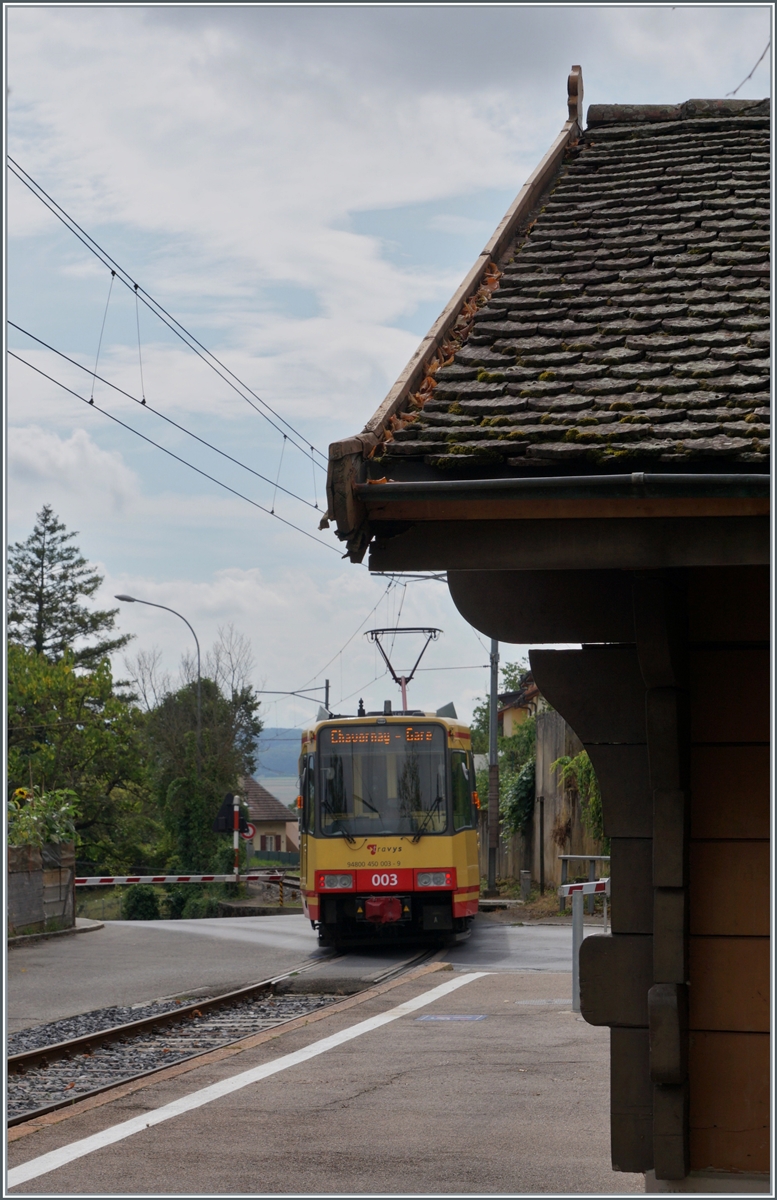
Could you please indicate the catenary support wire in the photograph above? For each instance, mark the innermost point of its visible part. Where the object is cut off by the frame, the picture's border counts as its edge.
(177, 457)
(100, 340)
(277, 477)
(161, 415)
(140, 356)
(162, 314)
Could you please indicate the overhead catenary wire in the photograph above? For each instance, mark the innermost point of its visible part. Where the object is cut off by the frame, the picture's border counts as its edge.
(752, 73)
(177, 457)
(180, 331)
(353, 635)
(162, 416)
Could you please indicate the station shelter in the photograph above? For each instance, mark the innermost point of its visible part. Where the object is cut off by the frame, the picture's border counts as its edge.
(582, 443)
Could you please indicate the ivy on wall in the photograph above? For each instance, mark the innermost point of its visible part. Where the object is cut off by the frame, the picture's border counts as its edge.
(577, 773)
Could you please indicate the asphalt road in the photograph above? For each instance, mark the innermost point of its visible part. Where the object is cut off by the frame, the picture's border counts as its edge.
(133, 962)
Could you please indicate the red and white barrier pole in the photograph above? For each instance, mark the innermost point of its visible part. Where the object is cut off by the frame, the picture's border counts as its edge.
(114, 880)
(236, 835)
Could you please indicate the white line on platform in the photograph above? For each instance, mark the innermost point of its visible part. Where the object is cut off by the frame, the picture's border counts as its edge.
(117, 1133)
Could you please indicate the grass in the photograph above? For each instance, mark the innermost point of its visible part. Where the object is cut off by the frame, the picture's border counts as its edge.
(100, 903)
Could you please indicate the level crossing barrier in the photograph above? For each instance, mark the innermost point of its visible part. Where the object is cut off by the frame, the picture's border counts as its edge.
(273, 877)
(592, 860)
(577, 891)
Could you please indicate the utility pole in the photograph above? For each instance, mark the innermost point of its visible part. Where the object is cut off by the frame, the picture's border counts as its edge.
(326, 695)
(493, 771)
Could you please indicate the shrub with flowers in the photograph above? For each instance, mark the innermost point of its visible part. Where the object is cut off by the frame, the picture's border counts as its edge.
(37, 818)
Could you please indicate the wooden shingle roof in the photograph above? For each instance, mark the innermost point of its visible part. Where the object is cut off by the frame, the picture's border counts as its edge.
(627, 325)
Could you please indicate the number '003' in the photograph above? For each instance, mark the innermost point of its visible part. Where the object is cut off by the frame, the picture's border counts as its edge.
(384, 880)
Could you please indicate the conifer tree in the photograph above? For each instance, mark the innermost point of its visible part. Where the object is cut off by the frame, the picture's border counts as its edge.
(47, 580)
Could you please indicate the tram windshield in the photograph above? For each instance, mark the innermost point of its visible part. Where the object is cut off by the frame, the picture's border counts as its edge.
(386, 779)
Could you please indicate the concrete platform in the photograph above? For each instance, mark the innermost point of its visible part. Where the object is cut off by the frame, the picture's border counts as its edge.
(513, 1100)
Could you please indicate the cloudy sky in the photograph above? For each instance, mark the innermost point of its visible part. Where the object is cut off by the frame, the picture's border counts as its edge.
(302, 187)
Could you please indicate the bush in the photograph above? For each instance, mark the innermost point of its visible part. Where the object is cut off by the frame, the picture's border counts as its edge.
(36, 818)
(578, 775)
(140, 903)
(175, 900)
(516, 805)
(198, 906)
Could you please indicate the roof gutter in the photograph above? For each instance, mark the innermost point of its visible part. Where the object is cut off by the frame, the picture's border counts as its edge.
(347, 456)
(568, 487)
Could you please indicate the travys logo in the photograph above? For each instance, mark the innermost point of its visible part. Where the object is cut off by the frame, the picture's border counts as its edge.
(373, 849)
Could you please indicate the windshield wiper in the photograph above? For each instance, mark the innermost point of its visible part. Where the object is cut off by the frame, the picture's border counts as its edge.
(427, 819)
(350, 839)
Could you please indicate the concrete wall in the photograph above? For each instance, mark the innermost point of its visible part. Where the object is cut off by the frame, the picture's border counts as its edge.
(41, 888)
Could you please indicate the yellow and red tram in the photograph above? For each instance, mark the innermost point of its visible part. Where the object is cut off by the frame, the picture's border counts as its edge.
(388, 828)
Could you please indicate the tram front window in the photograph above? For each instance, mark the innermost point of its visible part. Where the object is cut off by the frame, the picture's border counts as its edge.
(382, 780)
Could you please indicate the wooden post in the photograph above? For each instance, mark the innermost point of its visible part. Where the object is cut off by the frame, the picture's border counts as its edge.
(542, 845)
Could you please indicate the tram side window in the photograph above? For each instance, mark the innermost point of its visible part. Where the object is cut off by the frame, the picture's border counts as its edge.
(308, 795)
(462, 789)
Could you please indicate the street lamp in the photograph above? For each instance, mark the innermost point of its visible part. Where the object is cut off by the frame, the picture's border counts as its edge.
(150, 603)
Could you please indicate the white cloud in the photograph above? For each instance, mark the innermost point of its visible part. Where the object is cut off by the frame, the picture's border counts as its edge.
(41, 463)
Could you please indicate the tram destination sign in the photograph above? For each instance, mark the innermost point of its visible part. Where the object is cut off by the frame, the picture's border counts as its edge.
(355, 736)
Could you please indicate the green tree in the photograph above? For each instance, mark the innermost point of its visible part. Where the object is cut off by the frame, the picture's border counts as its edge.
(47, 580)
(68, 730)
(511, 682)
(190, 782)
(512, 675)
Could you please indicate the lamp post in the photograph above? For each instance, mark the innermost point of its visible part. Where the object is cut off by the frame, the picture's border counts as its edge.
(150, 603)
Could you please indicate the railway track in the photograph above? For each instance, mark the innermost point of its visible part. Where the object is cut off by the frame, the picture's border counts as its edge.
(53, 1075)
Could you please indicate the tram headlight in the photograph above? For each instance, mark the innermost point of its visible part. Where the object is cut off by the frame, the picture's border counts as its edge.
(335, 881)
(434, 879)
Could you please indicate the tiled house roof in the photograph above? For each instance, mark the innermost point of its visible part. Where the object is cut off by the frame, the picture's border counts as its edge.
(523, 697)
(262, 805)
(627, 327)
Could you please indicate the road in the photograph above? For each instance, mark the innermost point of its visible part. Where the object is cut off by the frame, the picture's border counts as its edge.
(133, 962)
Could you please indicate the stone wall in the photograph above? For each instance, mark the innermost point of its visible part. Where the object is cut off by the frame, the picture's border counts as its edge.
(41, 888)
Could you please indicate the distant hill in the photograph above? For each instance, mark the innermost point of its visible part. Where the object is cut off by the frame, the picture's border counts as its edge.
(278, 752)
